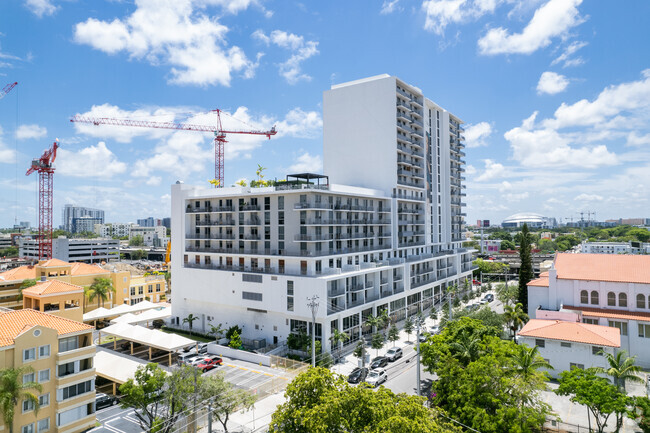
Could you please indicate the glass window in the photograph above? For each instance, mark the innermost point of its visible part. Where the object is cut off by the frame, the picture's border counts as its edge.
(565, 344)
(29, 428)
(70, 343)
(44, 399)
(43, 425)
(28, 405)
(594, 297)
(29, 377)
(29, 354)
(640, 301)
(597, 350)
(584, 297)
(644, 331)
(622, 300)
(622, 326)
(573, 365)
(611, 299)
(539, 342)
(280, 202)
(44, 351)
(290, 288)
(289, 303)
(44, 375)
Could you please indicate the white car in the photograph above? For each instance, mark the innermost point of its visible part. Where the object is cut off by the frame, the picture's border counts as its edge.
(483, 301)
(376, 377)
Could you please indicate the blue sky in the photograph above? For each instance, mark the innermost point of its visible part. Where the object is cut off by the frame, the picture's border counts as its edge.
(555, 94)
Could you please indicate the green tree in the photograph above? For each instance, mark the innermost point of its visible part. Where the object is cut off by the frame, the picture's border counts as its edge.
(642, 235)
(515, 317)
(489, 267)
(236, 328)
(13, 391)
(235, 341)
(641, 413)
(101, 289)
(337, 338)
(360, 352)
(9, 252)
(225, 398)
(466, 348)
(484, 315)
(393, 334)
(136, 241)
(622, 369)
(377, 342)
(190, 319)
(318, 401)
(601, 398)
(24, 285)
(526, 270)
(408, 328)
(507, 245)
(138, 255)
(528, 361)
(507, 294)
(217, 331)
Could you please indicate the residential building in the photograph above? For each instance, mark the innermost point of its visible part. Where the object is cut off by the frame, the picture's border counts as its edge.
(150, 222)
(155, 236)
(70, 212)
(606, 290)
(55, 297)
(85, 224)
(615, 247)
(60, 353)
(382, 233)
(77, 274)
(145, 287)
(490, 245)
(167, 222)
(631, 221)
(566, 345)
(113, 230)
(78, 250)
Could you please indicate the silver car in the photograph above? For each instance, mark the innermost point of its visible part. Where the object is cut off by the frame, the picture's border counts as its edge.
(376, 377)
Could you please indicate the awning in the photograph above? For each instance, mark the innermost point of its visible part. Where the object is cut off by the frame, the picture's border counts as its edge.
(148, 337)
(99, 313)
(103, 313)
(114, 367)
(144, 317)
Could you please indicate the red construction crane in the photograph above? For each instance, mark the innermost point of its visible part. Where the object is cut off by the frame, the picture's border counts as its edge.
(45, 170)
(219, 134)
(6, 89)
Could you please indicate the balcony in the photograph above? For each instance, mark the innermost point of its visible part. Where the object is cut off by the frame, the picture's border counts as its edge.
(210, 237)
(406, 197)
(252, 222)
(249, 208)
(370, 284)
(313, 205)
(410, 183)
(335, 293)
(314, 238)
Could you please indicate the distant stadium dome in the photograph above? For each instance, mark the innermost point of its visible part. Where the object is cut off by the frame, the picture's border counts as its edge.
(532, 219)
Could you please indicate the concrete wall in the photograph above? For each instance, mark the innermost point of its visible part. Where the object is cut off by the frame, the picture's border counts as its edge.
(217, 349)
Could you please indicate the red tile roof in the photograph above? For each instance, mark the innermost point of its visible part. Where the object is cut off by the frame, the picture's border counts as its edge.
(51, 287)
(610, 313)
(53, 263)
(539, 282)
(572, 331)
(86, 269)
(19, 273)
(14, 323)
(624, 268)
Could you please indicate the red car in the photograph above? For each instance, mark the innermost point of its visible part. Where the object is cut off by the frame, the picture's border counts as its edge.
(209, 363)
(476, 282)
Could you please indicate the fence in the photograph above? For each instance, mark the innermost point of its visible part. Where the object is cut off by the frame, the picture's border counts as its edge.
(557, 426)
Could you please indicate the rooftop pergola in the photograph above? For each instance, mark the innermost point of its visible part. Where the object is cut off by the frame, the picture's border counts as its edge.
(299, 178)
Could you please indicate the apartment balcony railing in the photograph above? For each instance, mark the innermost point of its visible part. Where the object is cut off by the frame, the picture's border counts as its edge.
(210, 236)
(313, 205)
(211, 209)
(363, 221)
(410, 183)
(331, 252)
(370, 284)
(308, 238)
(251, 222)
(406, 197)
(249, 208)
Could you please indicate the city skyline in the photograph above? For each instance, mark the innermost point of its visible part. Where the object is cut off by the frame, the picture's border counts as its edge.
(554, 95)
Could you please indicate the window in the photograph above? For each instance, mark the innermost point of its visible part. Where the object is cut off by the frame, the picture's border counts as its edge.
(622, 326)
(43, 375)
(594, 297)
(75, 390)
(251, 278)
(70, 343)
(251, 296)
(611, 299)
(584, 297)
(74, 414)
(29, 354)
(44, 399)
(29, 377)
(289, 295)
(573, 365)
(44, 351)
(28, 405)
(65, 369)
(590, 321)
(644, 331)
(43, 425)
(640, 301)
(565, 344)
(597, 350)
(29, 428)
(539, 342)
(622, 300)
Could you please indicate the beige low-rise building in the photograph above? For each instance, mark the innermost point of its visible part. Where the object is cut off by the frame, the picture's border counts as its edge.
(59, 355)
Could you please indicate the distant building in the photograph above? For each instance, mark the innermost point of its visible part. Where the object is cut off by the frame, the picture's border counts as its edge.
(77, 250)
(533, 220)
(590, 223)
(150, 222)
(151, 236)
(615, 248)
(167, 222)
(70, 212)
(85, 224)
(490, 245)
(631, 221)
(113, 230)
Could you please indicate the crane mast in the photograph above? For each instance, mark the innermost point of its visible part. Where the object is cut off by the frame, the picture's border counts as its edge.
(6, 89)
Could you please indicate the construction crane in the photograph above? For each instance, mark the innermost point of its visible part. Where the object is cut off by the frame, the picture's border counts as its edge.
(219, 135)
(44, 167)
(6, 89)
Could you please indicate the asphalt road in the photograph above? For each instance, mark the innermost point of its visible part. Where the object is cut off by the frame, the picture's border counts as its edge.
(116, 420)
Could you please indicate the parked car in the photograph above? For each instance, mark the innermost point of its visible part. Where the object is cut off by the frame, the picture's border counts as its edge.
(476, 282)
(489, 297)
(424, 337)
(471, 307)
(186, 358)
(358, 375)
(202, 348)
(209, 363)
(434, 330)
(380, 361)
(393, 354)
(376, 377)
(105, 400)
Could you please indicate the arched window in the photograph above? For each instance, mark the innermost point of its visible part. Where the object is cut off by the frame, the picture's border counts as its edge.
(640, 301)
(584, 297)
(611, 299)
(622, 300)
(594, 297)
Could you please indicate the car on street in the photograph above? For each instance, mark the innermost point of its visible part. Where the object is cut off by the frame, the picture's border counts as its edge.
(104, 400)
(358, 375)
(376, 377)
(482, 301)
(393, 354)
(202, 349)
(379, 361)
(208, 363)
(489, 297)
(471, 307)
(424, 337)
(434, 330)
(187, 358)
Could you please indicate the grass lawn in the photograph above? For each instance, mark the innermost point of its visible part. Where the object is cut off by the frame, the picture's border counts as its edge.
(187, 335)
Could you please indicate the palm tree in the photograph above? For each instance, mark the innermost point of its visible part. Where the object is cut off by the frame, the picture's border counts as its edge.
(337, 338)
(621, 369)
(13, 391)
(216, 330)
(515, 317)
(527, 360)
(25, 284)
(190, 320)
(101, 290)
(466, 348)
(87, 292)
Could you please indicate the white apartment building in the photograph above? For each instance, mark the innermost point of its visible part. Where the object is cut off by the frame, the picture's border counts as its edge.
(383, 232)
(151, 236)
(110, 230)
(74, 250)
(604, 290)
(614, 247)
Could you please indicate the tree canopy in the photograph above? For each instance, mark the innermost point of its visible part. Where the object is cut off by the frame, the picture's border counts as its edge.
(526, 270)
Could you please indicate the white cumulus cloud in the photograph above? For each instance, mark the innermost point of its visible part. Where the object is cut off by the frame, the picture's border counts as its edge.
(92, 161)
(493, 170)
(551, 83)
(175, 33)
(300, 48)
(28, 132)
(553, 19)
(388, 7)
(589, 197)
(440, 13)
(475, 135)
(41, 8)
(307, 163)
(567, 56)
(7, 155)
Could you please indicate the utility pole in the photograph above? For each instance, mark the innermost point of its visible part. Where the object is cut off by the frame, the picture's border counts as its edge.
(313, 305)
(419, 321)
(209, 416)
